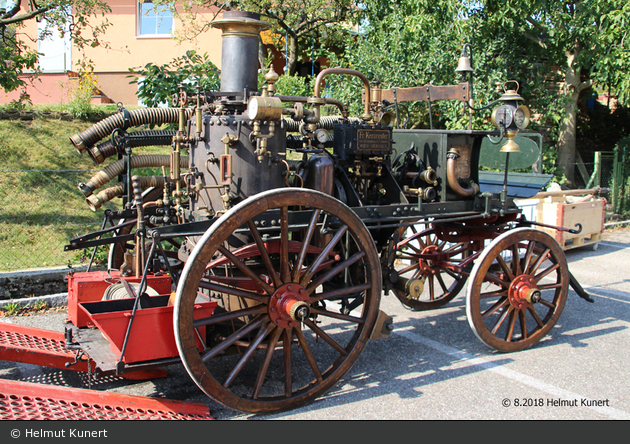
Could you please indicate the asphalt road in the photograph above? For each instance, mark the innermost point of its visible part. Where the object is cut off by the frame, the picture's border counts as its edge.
(433, 367)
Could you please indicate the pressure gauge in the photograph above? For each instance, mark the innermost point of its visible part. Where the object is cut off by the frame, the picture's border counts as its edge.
(252, 108)
(322, 135)
(503, 116)
(521, 117)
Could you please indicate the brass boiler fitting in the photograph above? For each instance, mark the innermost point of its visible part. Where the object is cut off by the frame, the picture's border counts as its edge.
(178, 139)
(265, 108)
(451, 160)
(317, 100)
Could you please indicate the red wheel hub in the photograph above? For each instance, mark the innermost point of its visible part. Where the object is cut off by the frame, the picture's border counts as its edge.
(289, 305)
(523, 292)
(426, 265)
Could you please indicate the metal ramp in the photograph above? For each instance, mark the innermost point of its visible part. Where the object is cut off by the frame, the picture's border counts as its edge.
(28, 401)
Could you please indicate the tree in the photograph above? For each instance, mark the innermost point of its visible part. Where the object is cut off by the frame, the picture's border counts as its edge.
(586, 40)
(17, 57)
(161, 82)
(555, 50)
(296, 21)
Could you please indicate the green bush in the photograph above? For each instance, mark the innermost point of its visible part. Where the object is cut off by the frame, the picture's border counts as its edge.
(158, 84)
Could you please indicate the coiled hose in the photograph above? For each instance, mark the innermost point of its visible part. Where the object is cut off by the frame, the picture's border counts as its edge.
(107, 149)
(104, 128)
(95, 201)
(327, 123)
(114, 169)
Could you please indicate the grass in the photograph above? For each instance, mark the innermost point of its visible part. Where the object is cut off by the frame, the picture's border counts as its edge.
(41, 207)
(40, 306)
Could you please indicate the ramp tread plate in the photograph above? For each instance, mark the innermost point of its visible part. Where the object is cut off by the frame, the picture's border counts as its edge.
(28, 401)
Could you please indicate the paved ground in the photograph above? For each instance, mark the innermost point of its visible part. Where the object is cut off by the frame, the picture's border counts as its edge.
(433, 366)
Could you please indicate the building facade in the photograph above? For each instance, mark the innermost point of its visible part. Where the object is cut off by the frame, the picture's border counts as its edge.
(138, 33)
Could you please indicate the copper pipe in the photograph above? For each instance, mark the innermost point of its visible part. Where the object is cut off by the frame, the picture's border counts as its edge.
(454, 183)
(347, 71)
(294, 99)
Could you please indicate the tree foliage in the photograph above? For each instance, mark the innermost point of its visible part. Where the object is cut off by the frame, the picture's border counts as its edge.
(584, 41)
(555, 50)
(293, 22)
(17, 56)
(158, 83)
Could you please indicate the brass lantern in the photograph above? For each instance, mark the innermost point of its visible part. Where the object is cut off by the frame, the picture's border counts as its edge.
(511, 116)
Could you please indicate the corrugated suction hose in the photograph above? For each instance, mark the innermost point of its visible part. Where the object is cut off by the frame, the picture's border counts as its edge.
(95, 201)
(107, 149)
(104, 128)
(114, 169)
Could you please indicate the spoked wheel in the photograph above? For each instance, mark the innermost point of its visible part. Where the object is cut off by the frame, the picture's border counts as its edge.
(298, 298)
(517, 289)
(427, 284)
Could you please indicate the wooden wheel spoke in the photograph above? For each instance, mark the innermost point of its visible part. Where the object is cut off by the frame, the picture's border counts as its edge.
(249, 352)
(528, 257)
(431, 287)
(516, 260)
(539, 261)
(230, 340)
(510, 329)
(496, 306)
(230, 316)
(493, 278)
(546, 303)
(454, 247)
(506, 311)
(264, 253)
(523, 322)
(322, 334)
(545, 272)
(550, 286)
(285, 273)
(234, 291)
(335, 271)
(340, 316)
(493, 294)
(305, 244)
(264, 368)
(309, 355)
(438, 276)
(534, 313)
(287, 336)
(409, 268)
(341, 292)
(413, 247)
(246, 270)
(421, 242)
(310, 271)
(505, 268)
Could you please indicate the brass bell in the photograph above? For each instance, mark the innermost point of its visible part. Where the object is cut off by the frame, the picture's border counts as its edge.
(463, 67)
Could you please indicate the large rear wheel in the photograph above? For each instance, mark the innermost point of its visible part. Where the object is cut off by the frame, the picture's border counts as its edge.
(298, 281)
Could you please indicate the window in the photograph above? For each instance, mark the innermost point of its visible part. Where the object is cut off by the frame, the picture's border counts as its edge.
(154, 20)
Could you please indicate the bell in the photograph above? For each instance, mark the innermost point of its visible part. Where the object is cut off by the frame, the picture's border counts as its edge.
(463, 67)
(510, 146)
(387, 119)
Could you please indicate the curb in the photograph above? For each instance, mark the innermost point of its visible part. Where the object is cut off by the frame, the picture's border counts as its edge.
(53, 300)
